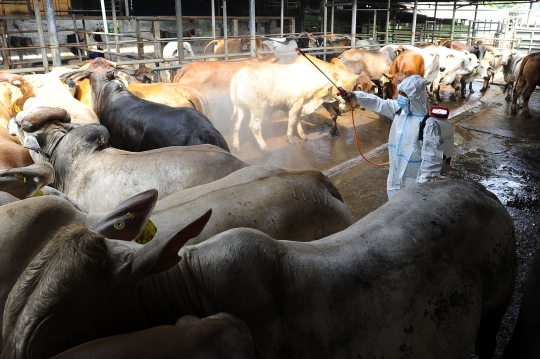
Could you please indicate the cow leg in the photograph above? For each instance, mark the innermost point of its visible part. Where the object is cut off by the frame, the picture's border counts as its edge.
(526, 96)
(463, 89)
(294, 119)
(486, 85)
(239, 113)
(508, 89)
(470, 88)
(257, 117)
(486, 339)
(334, 115)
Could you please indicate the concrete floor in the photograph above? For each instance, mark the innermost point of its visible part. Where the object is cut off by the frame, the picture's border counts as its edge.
(493, 147)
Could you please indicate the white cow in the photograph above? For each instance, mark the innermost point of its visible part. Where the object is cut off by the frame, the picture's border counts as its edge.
(298, 88)
(453, 65)
(431, 62)
(51, 91)
(483, 71)
(170, 51)
(511, 62)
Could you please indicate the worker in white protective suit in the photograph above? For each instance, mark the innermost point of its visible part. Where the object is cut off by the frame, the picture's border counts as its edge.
(411, 159)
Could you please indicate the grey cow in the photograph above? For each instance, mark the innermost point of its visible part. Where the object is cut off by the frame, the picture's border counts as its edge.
(99, 177)
(29, 224)
(427, 275)
(298, 205)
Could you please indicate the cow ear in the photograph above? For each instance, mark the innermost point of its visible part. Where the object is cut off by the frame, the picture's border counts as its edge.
(161, 253)
(128, 218)
(31, 143)
(23, 182)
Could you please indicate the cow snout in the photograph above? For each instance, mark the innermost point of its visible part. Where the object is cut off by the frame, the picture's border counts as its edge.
(441, 69)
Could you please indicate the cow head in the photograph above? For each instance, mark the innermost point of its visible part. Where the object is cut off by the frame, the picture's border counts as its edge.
(484, 69)
(32, 125)
(82, 287)
(390, 86)
(507, 55)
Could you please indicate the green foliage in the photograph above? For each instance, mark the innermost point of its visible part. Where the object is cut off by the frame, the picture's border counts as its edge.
(505, 6)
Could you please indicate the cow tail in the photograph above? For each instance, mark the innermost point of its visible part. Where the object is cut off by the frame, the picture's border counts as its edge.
(521, 81)
(211, 42)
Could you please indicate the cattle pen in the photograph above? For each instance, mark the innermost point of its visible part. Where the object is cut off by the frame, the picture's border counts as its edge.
(493, 145)
(29, 46)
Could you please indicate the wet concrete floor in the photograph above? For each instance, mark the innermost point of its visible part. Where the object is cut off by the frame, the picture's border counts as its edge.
(492, 146)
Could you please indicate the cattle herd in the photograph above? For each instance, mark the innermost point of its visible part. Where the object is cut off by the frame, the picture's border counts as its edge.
(129, 229)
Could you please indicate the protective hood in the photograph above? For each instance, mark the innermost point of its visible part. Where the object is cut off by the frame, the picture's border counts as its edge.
(415, 88)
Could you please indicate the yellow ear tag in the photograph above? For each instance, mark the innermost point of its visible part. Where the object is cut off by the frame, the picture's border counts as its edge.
(17, 108)
(147, 233)
(38, 194)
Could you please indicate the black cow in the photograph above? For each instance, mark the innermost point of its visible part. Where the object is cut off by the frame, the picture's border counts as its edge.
(140, 125)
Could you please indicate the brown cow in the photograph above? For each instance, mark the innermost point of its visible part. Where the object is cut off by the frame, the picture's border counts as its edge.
(234, 46)
(527, 80)
(372, 63)
(406, 64)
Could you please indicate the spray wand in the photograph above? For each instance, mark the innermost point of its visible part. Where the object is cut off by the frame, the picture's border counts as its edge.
(343, 94)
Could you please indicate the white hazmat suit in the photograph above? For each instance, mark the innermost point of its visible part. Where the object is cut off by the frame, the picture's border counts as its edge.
(411, 160)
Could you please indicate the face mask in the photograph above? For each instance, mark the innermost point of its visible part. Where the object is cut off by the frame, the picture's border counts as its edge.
(403, 102)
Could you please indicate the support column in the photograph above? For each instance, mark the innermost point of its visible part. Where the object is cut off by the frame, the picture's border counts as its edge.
(387, 23)
(453, 22)
(473, 30)
(413, 30)
(225, 30)
(325, 17)
(115, 28)
(179, 31)
(375, 25)
(332, 18)
(252, 28)
(105, 28)
(281, 26)
(53, 33)
(213, 19)
(37, 12)
(353, 25)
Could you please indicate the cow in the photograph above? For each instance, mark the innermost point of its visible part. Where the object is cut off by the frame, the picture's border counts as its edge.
(298, 88)
(213, 79)
(373, 63)
(419, 269)
(511, 62)
(171, 51)
(527, 80)
(298, 205)
(138, 125)
(483, 71)
(52, 91)
(478, 48)
(99, 177)
(219, 336)
(431, 62)
(524, 341)
(170, 94)
(405, 64)
(235, 46)
(494, 57)
(453, 64)
(14, 91)
(283, 48)
(46, 215)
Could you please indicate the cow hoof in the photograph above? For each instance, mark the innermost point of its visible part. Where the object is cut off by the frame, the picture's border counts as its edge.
(483, 89)
(462, 96)
(513, 111)
(266, 151)
(292, 141)
(236, 149)
(472, 91)
(527, 114)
